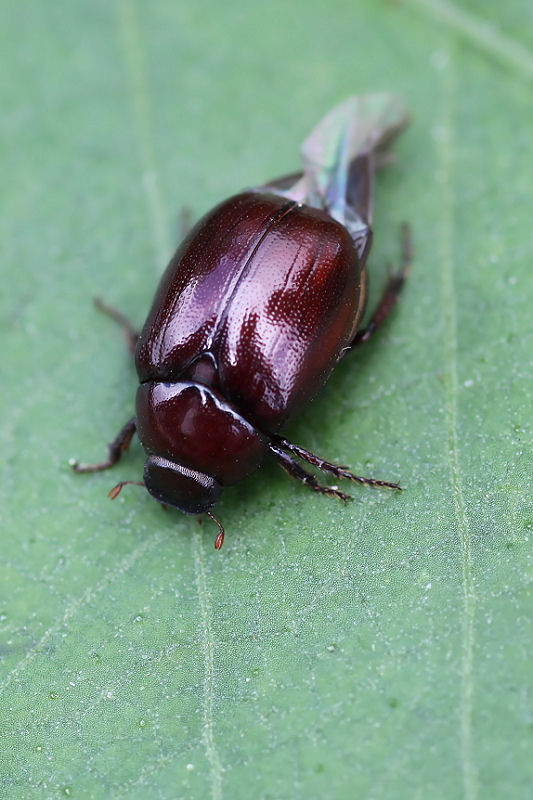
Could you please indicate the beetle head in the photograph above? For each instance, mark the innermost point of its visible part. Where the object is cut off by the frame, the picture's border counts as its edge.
(175, 485)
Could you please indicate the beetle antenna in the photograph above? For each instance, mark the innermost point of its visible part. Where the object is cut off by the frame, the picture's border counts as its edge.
(219, 541)
(116, 490)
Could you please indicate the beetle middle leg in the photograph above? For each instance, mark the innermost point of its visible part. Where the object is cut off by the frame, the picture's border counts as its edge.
(293, 469)
(131, 333)
(116, 448)
(326, 466)
(392, 290)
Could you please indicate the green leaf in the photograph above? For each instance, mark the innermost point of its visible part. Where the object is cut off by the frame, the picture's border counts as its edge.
(382, 650)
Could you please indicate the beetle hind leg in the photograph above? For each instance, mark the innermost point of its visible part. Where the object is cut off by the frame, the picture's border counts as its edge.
(393, 288)
(333, 469)
(293, 469)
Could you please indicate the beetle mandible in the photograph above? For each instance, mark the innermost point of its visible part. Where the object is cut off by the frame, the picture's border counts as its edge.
(259, 303)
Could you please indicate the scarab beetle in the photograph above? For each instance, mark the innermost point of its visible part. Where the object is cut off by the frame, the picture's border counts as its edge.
(258, 304)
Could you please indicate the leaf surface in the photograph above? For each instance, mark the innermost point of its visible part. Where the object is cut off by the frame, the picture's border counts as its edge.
(382, 650)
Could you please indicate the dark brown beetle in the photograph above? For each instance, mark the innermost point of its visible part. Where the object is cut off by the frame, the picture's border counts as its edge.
(259, 303)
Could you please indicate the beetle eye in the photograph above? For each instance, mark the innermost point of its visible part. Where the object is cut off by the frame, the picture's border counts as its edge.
(175, 485)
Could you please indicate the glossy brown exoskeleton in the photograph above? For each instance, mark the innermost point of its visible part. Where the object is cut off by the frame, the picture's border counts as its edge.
(257, 306)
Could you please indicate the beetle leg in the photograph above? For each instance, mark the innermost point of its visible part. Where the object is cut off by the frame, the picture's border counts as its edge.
(129, 331)
(333, 469)
(392, 290)
(116, 490)
(293, 469)
(119, 445)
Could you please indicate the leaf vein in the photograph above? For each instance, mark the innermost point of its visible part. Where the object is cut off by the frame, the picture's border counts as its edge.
(207, 644)
(445, 155)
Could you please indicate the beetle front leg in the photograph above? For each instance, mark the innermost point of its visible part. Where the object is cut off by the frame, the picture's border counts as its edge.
(293, 469)
(392, 290)
(131, 333)
(119, 445)
(332, 469)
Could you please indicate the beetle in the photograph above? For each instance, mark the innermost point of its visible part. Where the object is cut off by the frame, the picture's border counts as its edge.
(259, 303)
